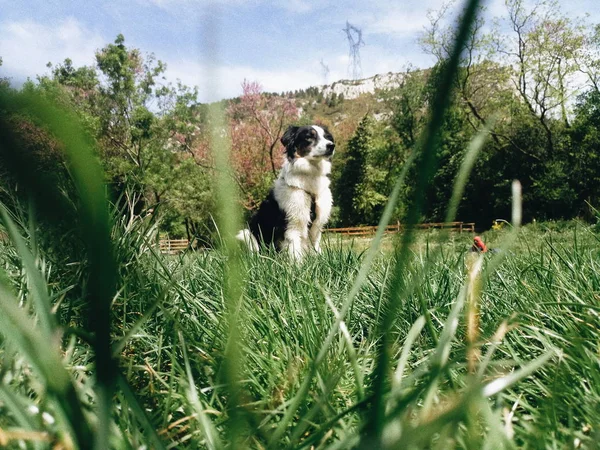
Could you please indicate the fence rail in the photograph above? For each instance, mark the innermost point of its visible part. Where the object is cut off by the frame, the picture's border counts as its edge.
(390, 229)
(174, 246)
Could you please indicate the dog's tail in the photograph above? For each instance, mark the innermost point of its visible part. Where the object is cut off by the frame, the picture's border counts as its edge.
(248, 238)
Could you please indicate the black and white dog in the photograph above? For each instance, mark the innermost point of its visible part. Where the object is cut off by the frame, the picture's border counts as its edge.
(298, 206)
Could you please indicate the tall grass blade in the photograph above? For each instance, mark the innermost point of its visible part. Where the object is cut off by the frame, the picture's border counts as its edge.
(133, 403)
(411, 337)
(213, 441)
(229, 223)
(93, 212)
(39, 291)
(44, 357)
(428, 144)
(500, 384)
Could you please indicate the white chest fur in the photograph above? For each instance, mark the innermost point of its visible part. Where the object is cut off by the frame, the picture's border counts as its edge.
(311, 179)
(299, 182)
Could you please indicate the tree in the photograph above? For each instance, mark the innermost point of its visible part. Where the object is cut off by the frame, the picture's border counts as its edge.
(543, 50)
(525, 80)
(356, 195)
(584, 155)
(3, 81)
(149, 134)
(257, 123)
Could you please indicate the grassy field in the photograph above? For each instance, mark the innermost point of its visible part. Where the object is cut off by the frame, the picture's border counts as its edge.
(530, 321)
(108, 344)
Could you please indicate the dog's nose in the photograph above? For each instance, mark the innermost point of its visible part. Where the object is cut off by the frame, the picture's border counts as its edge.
(330, 148)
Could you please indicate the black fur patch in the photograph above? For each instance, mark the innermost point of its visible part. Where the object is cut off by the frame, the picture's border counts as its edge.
(313, 208)
(269, 223)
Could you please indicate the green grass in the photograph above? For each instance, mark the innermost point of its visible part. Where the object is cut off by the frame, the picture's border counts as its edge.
(421, 345)
(169, 335)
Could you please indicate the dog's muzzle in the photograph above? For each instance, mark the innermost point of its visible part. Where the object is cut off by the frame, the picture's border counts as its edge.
(329, 149)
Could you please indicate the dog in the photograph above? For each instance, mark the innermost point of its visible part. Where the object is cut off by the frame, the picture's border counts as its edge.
(292, 216)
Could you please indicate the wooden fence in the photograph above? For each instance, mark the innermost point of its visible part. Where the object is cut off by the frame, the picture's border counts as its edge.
(390, 229)
(174, 246)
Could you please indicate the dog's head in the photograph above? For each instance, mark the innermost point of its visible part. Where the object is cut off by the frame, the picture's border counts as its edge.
(310, 142)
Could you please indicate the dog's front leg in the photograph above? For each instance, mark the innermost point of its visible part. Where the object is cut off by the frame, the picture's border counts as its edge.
(295, 238)
(315, 236)
(322, 211)
(298, 217)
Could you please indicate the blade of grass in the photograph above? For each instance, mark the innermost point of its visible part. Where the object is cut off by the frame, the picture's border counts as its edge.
(411, 337)
(37, 283)
(210, 434)
(358, 377)
(428, 144)
(229, 224)
(95, 226)
(233, 279)
(500, 384)
(44, 357)
(140, 414)
(16, 406)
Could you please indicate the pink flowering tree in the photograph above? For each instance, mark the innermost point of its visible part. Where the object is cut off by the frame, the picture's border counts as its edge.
(257, 122)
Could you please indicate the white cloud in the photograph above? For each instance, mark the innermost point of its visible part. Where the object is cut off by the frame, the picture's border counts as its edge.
(27, 46)
(397, 19)
(299, 6)
(174, 6)
(394, 21)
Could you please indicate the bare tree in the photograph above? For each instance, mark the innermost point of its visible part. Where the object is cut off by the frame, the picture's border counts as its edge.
(542, 49)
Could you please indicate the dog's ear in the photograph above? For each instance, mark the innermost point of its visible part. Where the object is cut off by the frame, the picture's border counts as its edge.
(289, 136)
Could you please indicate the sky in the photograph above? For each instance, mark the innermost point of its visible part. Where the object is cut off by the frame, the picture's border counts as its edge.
(281, 44)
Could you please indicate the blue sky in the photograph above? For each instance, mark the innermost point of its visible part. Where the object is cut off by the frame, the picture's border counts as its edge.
(279, 44)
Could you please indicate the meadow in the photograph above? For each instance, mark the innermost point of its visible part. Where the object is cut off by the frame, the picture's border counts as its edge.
(509, 362)
(416, 343)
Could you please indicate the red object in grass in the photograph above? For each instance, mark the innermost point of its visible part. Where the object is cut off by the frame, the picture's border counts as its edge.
(478, 245)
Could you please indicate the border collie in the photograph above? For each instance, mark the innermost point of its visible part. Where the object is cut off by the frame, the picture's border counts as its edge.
(298, 206)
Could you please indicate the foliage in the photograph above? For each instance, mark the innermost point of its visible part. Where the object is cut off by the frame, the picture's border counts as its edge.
(583, 159)
(355, 196)
(148, 134)
(257, 123)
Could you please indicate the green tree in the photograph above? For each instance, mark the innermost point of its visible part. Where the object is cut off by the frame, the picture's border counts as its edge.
(356, 194)
(148, 133)
(3, 80)
(543, 50)
(584, 153)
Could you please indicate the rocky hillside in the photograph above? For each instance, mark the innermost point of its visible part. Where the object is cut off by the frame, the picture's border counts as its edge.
(343, 103)
(351, 89)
